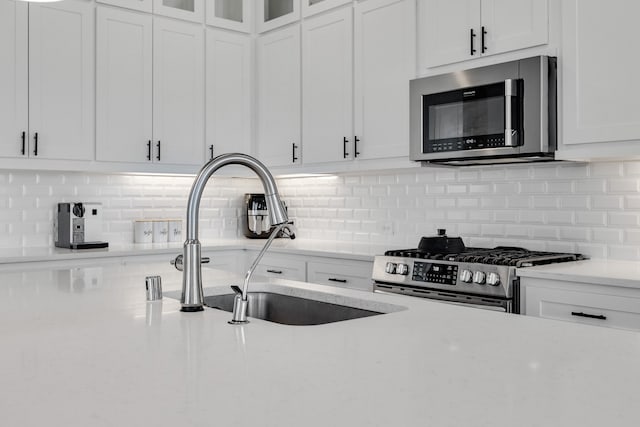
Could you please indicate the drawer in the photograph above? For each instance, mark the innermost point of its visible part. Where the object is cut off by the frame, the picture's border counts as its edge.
(225, 260)
(346, 274)
(281, 267)
(584, 307)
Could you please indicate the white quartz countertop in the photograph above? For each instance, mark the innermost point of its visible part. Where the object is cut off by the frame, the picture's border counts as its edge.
(309, 247)
(82, 347)
(595, 271)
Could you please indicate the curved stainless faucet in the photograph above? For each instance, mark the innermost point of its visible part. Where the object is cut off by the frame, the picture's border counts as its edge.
(192, 297)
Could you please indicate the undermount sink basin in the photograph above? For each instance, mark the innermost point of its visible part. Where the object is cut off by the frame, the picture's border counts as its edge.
(289, 310)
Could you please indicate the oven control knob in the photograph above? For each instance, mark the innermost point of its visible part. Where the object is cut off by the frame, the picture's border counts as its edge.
(478, 277)
(493, 279)
(402, 269)
(391, 268)
(466, 276)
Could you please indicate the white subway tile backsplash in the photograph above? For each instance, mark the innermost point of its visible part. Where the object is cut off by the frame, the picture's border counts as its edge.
(590, 208)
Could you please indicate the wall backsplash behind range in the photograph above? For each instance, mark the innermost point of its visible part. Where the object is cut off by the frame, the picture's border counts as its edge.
(589, 208)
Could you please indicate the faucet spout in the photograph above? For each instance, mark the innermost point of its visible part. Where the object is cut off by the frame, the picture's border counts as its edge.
(192, 295)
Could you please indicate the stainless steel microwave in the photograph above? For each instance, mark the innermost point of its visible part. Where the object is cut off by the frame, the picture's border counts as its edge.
(503, 113)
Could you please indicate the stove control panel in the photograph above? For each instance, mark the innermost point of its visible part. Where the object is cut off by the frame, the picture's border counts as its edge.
(446, 274)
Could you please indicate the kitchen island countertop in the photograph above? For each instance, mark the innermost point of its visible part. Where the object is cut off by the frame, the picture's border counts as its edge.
(82, 347)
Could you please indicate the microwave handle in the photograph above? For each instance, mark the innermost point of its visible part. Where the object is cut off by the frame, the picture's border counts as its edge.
(511, 94)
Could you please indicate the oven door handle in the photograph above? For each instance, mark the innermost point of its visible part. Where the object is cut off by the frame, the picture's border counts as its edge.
(511, 113)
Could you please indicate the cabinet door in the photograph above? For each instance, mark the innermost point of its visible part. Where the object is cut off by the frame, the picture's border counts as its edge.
(61, 80)
(310, 7)
(230, 14)
(141, 5)
(448, 31)
(123, 85)
(278, 136)
(345, 274)
(228, 124)
(281, 267)
(271, 14)
(595, 309)
(13, 78)
(327, 94)
(189, 10)
(599, 73)
(178, 92)
(514, 24)
(384, 64)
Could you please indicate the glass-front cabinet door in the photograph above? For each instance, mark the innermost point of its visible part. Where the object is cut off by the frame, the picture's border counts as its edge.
(189, 10)
(311, 7)
(276, 13)
(230, 14)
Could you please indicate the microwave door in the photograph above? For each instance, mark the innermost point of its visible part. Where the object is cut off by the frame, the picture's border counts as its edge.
(471, 120)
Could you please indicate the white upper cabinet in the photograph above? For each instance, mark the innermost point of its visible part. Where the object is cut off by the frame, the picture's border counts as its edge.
(271, 14)
(599, 82)
(459, 30)
(189, 10)
(310, 7)
(327, 94)
(141, 5)
(14, 107)
(228, 93)
(178, 92)
(513, 24)
(124, 86)
(384, 64)
(230, 14)
(278, 130)
(61, 80)
(449, 30)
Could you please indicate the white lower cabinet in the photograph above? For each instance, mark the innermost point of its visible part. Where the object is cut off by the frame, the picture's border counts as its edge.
(233, 261)
(343, 273)
(590, 304)
(280, 266)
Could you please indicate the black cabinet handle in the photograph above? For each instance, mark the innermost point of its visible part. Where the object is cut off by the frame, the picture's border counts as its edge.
(333, 279)
(24, 143)
(149, 150)
(356, 153)
(344, 147)
(274, 271)
(293, 152)
(482, 39)
(590, 316)
(35, 144)
(471, 40)
(211, 151)
(158, 156)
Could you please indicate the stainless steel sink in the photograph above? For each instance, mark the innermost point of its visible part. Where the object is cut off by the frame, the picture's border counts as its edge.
(289, 310)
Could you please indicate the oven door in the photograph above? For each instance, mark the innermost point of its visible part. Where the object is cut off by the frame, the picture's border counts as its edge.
(474, 118)
(475, 301)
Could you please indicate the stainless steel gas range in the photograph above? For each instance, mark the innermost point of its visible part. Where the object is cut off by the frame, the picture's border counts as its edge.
(442, 268)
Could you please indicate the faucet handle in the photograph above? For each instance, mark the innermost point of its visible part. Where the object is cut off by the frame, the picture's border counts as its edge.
(236, 289)
(178, 263)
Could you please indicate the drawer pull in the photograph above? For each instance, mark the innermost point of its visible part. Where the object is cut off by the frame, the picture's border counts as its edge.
(333, 279)
(590, 316)
(274, 271)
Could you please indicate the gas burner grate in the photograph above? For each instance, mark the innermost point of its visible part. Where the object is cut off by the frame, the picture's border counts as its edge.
(501, 255)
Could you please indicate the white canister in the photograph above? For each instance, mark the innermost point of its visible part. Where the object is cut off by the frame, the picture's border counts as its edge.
(175, 230)
(160, 231)
(142, 232)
